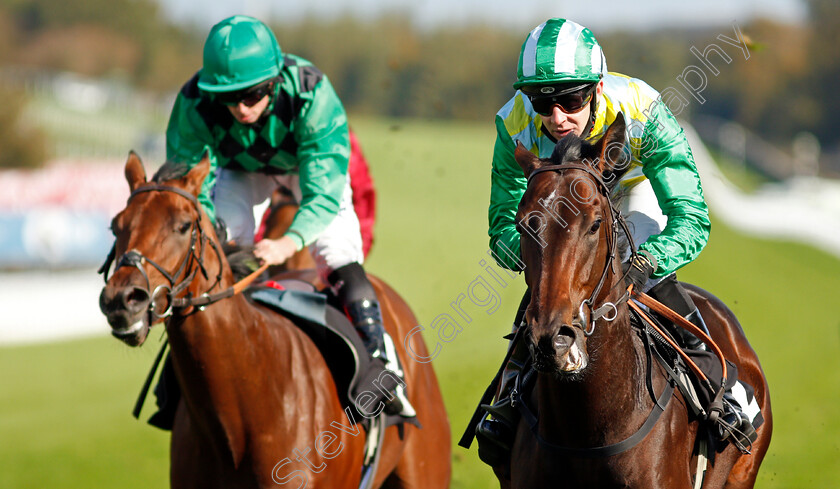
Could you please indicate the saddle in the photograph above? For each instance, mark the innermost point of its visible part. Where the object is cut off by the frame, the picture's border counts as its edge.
(361, 382)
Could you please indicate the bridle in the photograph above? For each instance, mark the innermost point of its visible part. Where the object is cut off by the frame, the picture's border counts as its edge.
(660, 403)
(182, 277)
(608, 310)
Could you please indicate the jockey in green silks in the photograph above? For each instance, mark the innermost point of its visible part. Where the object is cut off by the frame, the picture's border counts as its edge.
(267, 118)
(564, 88)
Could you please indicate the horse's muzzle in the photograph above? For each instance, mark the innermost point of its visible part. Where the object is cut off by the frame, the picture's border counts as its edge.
(126, 309)
(560, 352)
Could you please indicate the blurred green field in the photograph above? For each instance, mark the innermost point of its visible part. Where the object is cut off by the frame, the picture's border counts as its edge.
(64, 407)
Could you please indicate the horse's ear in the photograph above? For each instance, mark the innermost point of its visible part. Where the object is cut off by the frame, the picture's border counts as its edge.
(612, 162)
(527, 160)
(135, 174)
(195, 178)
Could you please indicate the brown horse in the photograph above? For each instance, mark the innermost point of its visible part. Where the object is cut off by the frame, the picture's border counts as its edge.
(259, 405)
(590, 389)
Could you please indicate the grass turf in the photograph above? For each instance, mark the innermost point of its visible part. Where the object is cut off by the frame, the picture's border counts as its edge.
(64, 407)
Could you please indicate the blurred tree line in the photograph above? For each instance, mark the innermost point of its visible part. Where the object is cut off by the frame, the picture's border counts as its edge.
(386, 66)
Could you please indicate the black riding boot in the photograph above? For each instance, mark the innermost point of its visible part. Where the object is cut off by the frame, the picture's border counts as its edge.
(671, 293)
(735, 422)
(495, 433)
(356, 294)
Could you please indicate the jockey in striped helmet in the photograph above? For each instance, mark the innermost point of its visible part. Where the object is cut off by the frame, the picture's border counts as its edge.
(563, 88)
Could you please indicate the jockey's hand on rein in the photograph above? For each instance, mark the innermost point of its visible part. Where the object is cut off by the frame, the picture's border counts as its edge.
(641, 267)
(275, 251)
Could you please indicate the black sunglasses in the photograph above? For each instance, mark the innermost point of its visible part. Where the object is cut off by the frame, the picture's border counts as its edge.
(570, 103)
(249, 96)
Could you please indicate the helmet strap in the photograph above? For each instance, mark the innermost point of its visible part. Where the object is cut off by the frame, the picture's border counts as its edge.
(593, 105)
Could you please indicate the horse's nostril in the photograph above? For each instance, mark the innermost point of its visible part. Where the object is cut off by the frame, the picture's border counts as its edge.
(562, 342)
(564, 338)
(135, 297)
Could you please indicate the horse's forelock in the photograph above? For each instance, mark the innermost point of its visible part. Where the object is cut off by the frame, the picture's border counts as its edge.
(567, 150)
(170, 171)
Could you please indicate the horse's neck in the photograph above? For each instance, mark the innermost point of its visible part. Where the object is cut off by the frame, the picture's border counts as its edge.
(611, 388)
(233, 365)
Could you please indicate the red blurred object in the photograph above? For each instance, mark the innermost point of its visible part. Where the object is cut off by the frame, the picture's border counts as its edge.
(364, 193)
(274, 285)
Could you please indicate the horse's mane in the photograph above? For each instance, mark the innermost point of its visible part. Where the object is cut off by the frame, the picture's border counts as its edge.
(573, 149)
(171, 170)
(567, 150)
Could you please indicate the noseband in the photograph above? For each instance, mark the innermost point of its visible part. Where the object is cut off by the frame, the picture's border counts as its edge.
(134, 258)
(608, 310)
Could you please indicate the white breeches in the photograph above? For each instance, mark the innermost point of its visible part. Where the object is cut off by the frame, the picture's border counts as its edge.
(644, 219)
(238, 194)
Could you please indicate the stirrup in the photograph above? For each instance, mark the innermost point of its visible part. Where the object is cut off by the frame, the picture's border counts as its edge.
(734, 425)
(495, 432)
(398, 403)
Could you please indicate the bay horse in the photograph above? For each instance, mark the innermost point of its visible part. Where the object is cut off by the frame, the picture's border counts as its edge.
(259, 406)
(590, 389)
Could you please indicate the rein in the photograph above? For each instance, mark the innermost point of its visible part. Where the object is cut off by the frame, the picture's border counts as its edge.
(134, 258)
(716, 408)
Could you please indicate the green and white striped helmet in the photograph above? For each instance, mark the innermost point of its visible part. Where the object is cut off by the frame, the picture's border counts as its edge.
(560, 51)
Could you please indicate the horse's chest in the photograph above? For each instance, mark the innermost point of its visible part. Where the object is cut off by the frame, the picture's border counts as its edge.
(572, 474)
(537, 467)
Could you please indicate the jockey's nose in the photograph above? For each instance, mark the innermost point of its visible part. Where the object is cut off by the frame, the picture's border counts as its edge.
(557, 115)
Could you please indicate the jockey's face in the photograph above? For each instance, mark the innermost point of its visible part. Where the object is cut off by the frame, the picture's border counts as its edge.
(560, 124)
(249, 114)
(248, 104)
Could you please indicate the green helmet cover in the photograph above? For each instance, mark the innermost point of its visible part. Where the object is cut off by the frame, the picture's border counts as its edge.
(240, 52)
(560, 51)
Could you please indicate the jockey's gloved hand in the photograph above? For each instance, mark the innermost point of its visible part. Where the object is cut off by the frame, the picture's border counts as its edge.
(641, 266)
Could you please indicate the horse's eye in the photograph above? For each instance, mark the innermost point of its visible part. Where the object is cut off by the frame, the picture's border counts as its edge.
(595, 227)
(184, 227)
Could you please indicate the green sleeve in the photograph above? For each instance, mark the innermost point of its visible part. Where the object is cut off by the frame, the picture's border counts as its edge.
(669, 165)
(323, 154)
(507, 185)
(187, 138)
